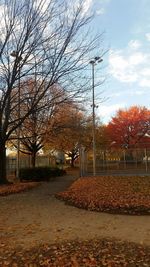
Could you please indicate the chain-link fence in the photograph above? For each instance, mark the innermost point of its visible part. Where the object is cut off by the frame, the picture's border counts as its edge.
(25, 161)
(116, 161)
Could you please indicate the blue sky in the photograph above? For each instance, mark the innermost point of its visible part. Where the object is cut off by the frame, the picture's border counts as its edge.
(127, 64)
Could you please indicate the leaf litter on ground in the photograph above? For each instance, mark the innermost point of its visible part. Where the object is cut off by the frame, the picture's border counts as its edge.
(114, 194)
(88, 253)
(15, 188)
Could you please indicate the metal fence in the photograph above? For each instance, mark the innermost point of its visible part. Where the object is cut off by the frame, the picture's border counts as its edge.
(116, 161)
(25, 161)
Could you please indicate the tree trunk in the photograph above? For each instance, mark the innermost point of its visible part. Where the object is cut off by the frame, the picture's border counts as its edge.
(33, 159)
(72, 161)
(3, 179)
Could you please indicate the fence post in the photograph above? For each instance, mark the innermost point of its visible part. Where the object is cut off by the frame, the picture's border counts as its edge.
(85, 161)
(82, 161)
(136, 158)
(124, 158)
(146, 160)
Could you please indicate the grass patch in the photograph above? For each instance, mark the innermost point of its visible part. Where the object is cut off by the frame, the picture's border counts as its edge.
(113, 194)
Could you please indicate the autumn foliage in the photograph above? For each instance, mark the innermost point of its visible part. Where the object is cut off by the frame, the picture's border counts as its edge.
(89, 253)
(16, 188)
(69, 129)
(130, 128)
(123, 195)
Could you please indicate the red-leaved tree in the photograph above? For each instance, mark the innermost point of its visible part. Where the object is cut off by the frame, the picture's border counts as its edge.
(130, 128)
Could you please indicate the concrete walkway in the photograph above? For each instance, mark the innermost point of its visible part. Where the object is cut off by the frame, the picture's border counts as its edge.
(36, 216)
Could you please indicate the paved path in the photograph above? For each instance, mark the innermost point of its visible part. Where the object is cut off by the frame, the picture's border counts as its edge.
(36, 216)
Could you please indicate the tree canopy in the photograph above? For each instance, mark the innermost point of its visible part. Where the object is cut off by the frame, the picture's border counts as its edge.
(45, 38)
(130, 127)
(69, 130)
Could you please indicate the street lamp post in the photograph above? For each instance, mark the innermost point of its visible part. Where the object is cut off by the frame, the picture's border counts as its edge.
(93, 62)
(18, 58)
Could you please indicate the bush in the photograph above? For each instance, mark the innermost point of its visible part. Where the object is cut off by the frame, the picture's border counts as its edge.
(40, 173)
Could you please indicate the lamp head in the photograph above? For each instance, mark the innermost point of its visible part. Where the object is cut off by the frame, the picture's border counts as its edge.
(96, 59)
(92, 62)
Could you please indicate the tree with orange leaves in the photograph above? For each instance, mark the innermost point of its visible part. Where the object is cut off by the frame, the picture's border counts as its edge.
(68, 130)
(130, 127)
(46, 38)
(36, 125)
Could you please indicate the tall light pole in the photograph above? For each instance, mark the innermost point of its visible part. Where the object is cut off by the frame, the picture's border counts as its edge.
(93, 62)
(18, 60)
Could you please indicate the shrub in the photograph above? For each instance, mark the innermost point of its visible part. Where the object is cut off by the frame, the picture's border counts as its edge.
(40, 173)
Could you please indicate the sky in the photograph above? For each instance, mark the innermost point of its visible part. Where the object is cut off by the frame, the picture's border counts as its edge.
(126, 24)
(126, 65)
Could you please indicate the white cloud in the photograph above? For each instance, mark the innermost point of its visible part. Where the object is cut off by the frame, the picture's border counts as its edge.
(104, 2)
(116, 59)
(101, 6)
(130, 65)
(134, 44)
(128, 93)
(71, 6)
(147, 36)
(108, 111)
(145, 71)
(87, 6)
(100, 11)
(120, 67)
(117, 94)
(145, 82)
(139, 92)
(136, 58)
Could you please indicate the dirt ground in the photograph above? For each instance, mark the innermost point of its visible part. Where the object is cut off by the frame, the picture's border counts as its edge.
(35, 217)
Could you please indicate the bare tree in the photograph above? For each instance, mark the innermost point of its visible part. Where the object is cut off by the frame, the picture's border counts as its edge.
(37, 125)
(42, 37)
